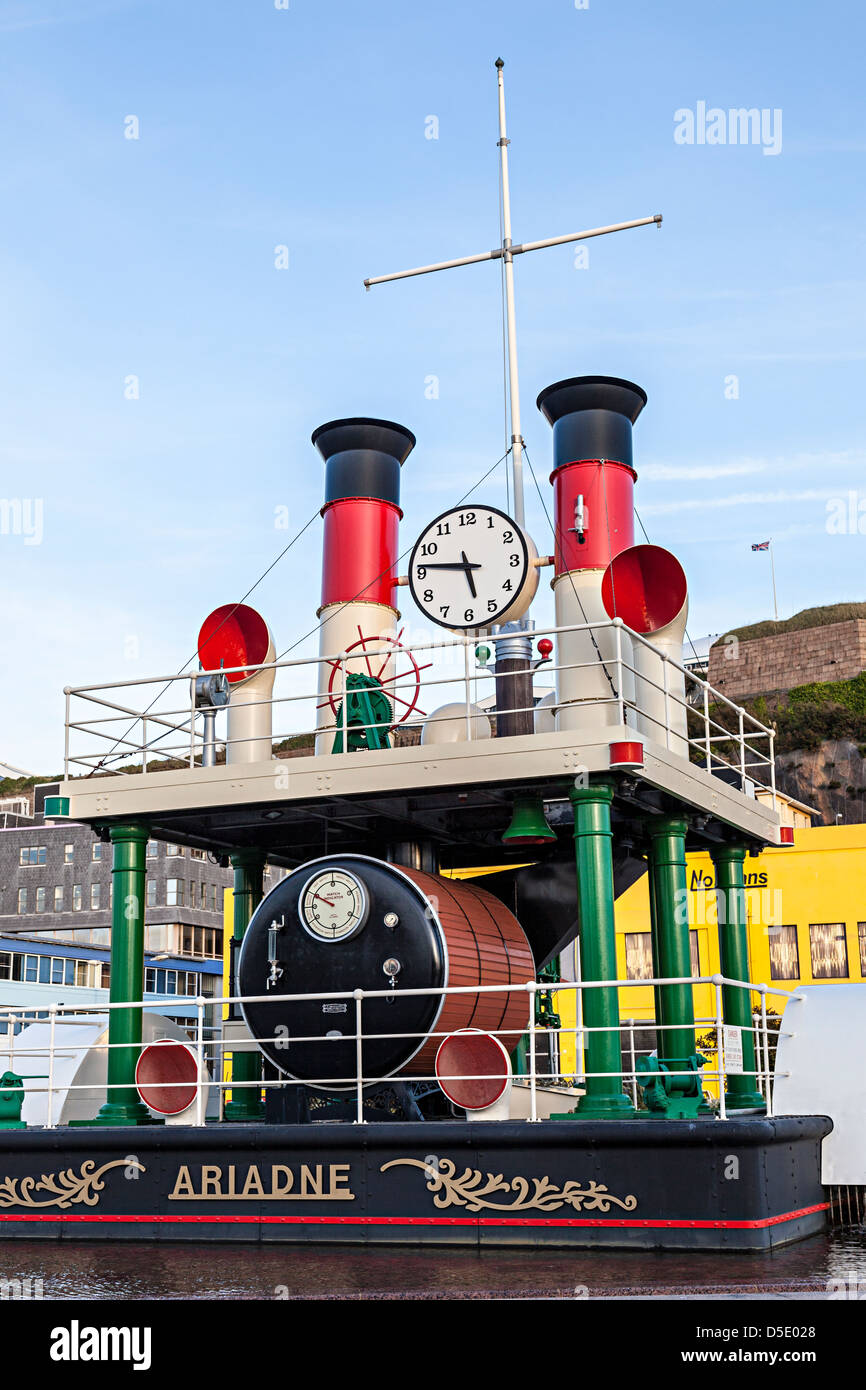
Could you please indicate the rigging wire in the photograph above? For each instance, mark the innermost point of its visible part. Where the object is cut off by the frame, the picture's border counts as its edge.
(104, 761)
(649, 542)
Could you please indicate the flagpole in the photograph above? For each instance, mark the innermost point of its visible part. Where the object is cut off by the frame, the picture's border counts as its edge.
(773, 573)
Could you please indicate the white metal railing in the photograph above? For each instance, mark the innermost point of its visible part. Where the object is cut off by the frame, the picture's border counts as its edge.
(125, 727)
(211, 1052)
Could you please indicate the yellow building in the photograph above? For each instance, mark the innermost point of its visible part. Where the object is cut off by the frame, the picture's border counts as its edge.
(806, 907)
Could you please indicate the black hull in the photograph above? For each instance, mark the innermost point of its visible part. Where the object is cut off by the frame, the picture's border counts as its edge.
(750, 1184)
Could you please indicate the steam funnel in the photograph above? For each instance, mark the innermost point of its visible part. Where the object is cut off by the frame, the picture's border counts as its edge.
(647, 588)
(593, 485)
(236, 635)
(363, 458)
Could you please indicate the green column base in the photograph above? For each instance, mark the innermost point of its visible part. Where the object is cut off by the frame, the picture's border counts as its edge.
(745, 1100)
(239, 1112)
(602, 1108)
(116, 1113)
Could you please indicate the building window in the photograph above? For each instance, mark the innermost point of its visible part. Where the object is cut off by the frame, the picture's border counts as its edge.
(174, 892)
(861, 932)
(105, 975)
(694, 954)
(77, 897)
(638, 956)
(151, 892)
(41, 894)
(58, 898)
(152, 849)
(68, 854)
(192, 896)
(32, 854)
(784, 953)
(22, 899)
(5, 965)
(95, 895)
(174, 851)
(216, 898)
(197, 854)
(829, 951)
(96, 851)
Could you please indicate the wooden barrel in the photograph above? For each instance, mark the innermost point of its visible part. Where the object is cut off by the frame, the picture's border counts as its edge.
(486, 945)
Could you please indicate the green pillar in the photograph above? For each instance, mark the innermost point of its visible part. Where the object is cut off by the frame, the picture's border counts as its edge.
(604, 1096)
(246, 1104)
(129, 847)
(741, 1092)
(654, 944)
(669, 898)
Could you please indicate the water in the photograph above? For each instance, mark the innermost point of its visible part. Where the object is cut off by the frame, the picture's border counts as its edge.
(100, 1271)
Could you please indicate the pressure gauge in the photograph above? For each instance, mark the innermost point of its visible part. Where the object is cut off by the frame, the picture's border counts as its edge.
(471, 567)
(333, 905)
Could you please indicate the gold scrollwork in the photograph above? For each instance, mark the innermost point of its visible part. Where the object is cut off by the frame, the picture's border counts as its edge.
(68, 1188)
(473, 1189)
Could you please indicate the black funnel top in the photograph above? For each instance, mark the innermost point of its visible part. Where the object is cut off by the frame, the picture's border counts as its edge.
(591, 417)
(363, 458)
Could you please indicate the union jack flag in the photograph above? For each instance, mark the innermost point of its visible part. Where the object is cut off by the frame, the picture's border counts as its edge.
(762, 545)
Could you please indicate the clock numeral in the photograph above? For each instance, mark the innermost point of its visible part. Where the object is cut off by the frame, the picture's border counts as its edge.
(513, 561)
(490, 523)
(467, 518)
(444, 528)
(421, 572)
(430, 548)
(469, 616)
(508, 586)
(507, 537)
(428, 595)
(491, 605)
(444, 611)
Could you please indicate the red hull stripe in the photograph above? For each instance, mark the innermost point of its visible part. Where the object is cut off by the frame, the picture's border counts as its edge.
(422, 1220)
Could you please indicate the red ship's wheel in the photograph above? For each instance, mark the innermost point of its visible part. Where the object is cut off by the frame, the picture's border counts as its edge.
(409, 673)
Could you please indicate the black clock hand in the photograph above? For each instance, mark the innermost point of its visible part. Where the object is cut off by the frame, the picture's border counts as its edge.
(463, 564)
(467, 569)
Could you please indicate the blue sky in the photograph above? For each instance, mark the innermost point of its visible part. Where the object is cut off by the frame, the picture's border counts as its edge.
(305, 127)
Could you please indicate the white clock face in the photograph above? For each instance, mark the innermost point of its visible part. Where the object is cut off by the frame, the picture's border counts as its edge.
(471, 567)
(333, 905)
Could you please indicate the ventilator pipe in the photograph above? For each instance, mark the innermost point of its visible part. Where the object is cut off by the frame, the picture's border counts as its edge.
(593, 481)
(363, 458)
(646, 587)
(235, 635)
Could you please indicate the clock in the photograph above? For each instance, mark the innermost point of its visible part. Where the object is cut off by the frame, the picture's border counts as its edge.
(473, 567)
(333, 905)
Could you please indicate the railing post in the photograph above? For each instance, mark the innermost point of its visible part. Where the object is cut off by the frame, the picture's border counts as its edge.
(667, 693)
(756, 1043)
(707, 727)
(620, 699)
(466, 676)
(773, 765)
(533, 1095)
(720, 1048)
(633, 1059)
(191, 723)
(199, 1059)
(66, 693)
(344, 710)
(52, 1019)
(742, 736)
(763, 992)
(143, 744)
(359, 1059)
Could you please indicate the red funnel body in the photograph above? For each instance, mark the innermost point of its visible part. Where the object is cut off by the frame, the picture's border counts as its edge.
(645, 586)
(360, 551)
(233, 635)
(607, 488)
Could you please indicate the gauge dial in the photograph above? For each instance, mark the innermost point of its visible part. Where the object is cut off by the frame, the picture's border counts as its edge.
(471, 567)
(333, 905)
